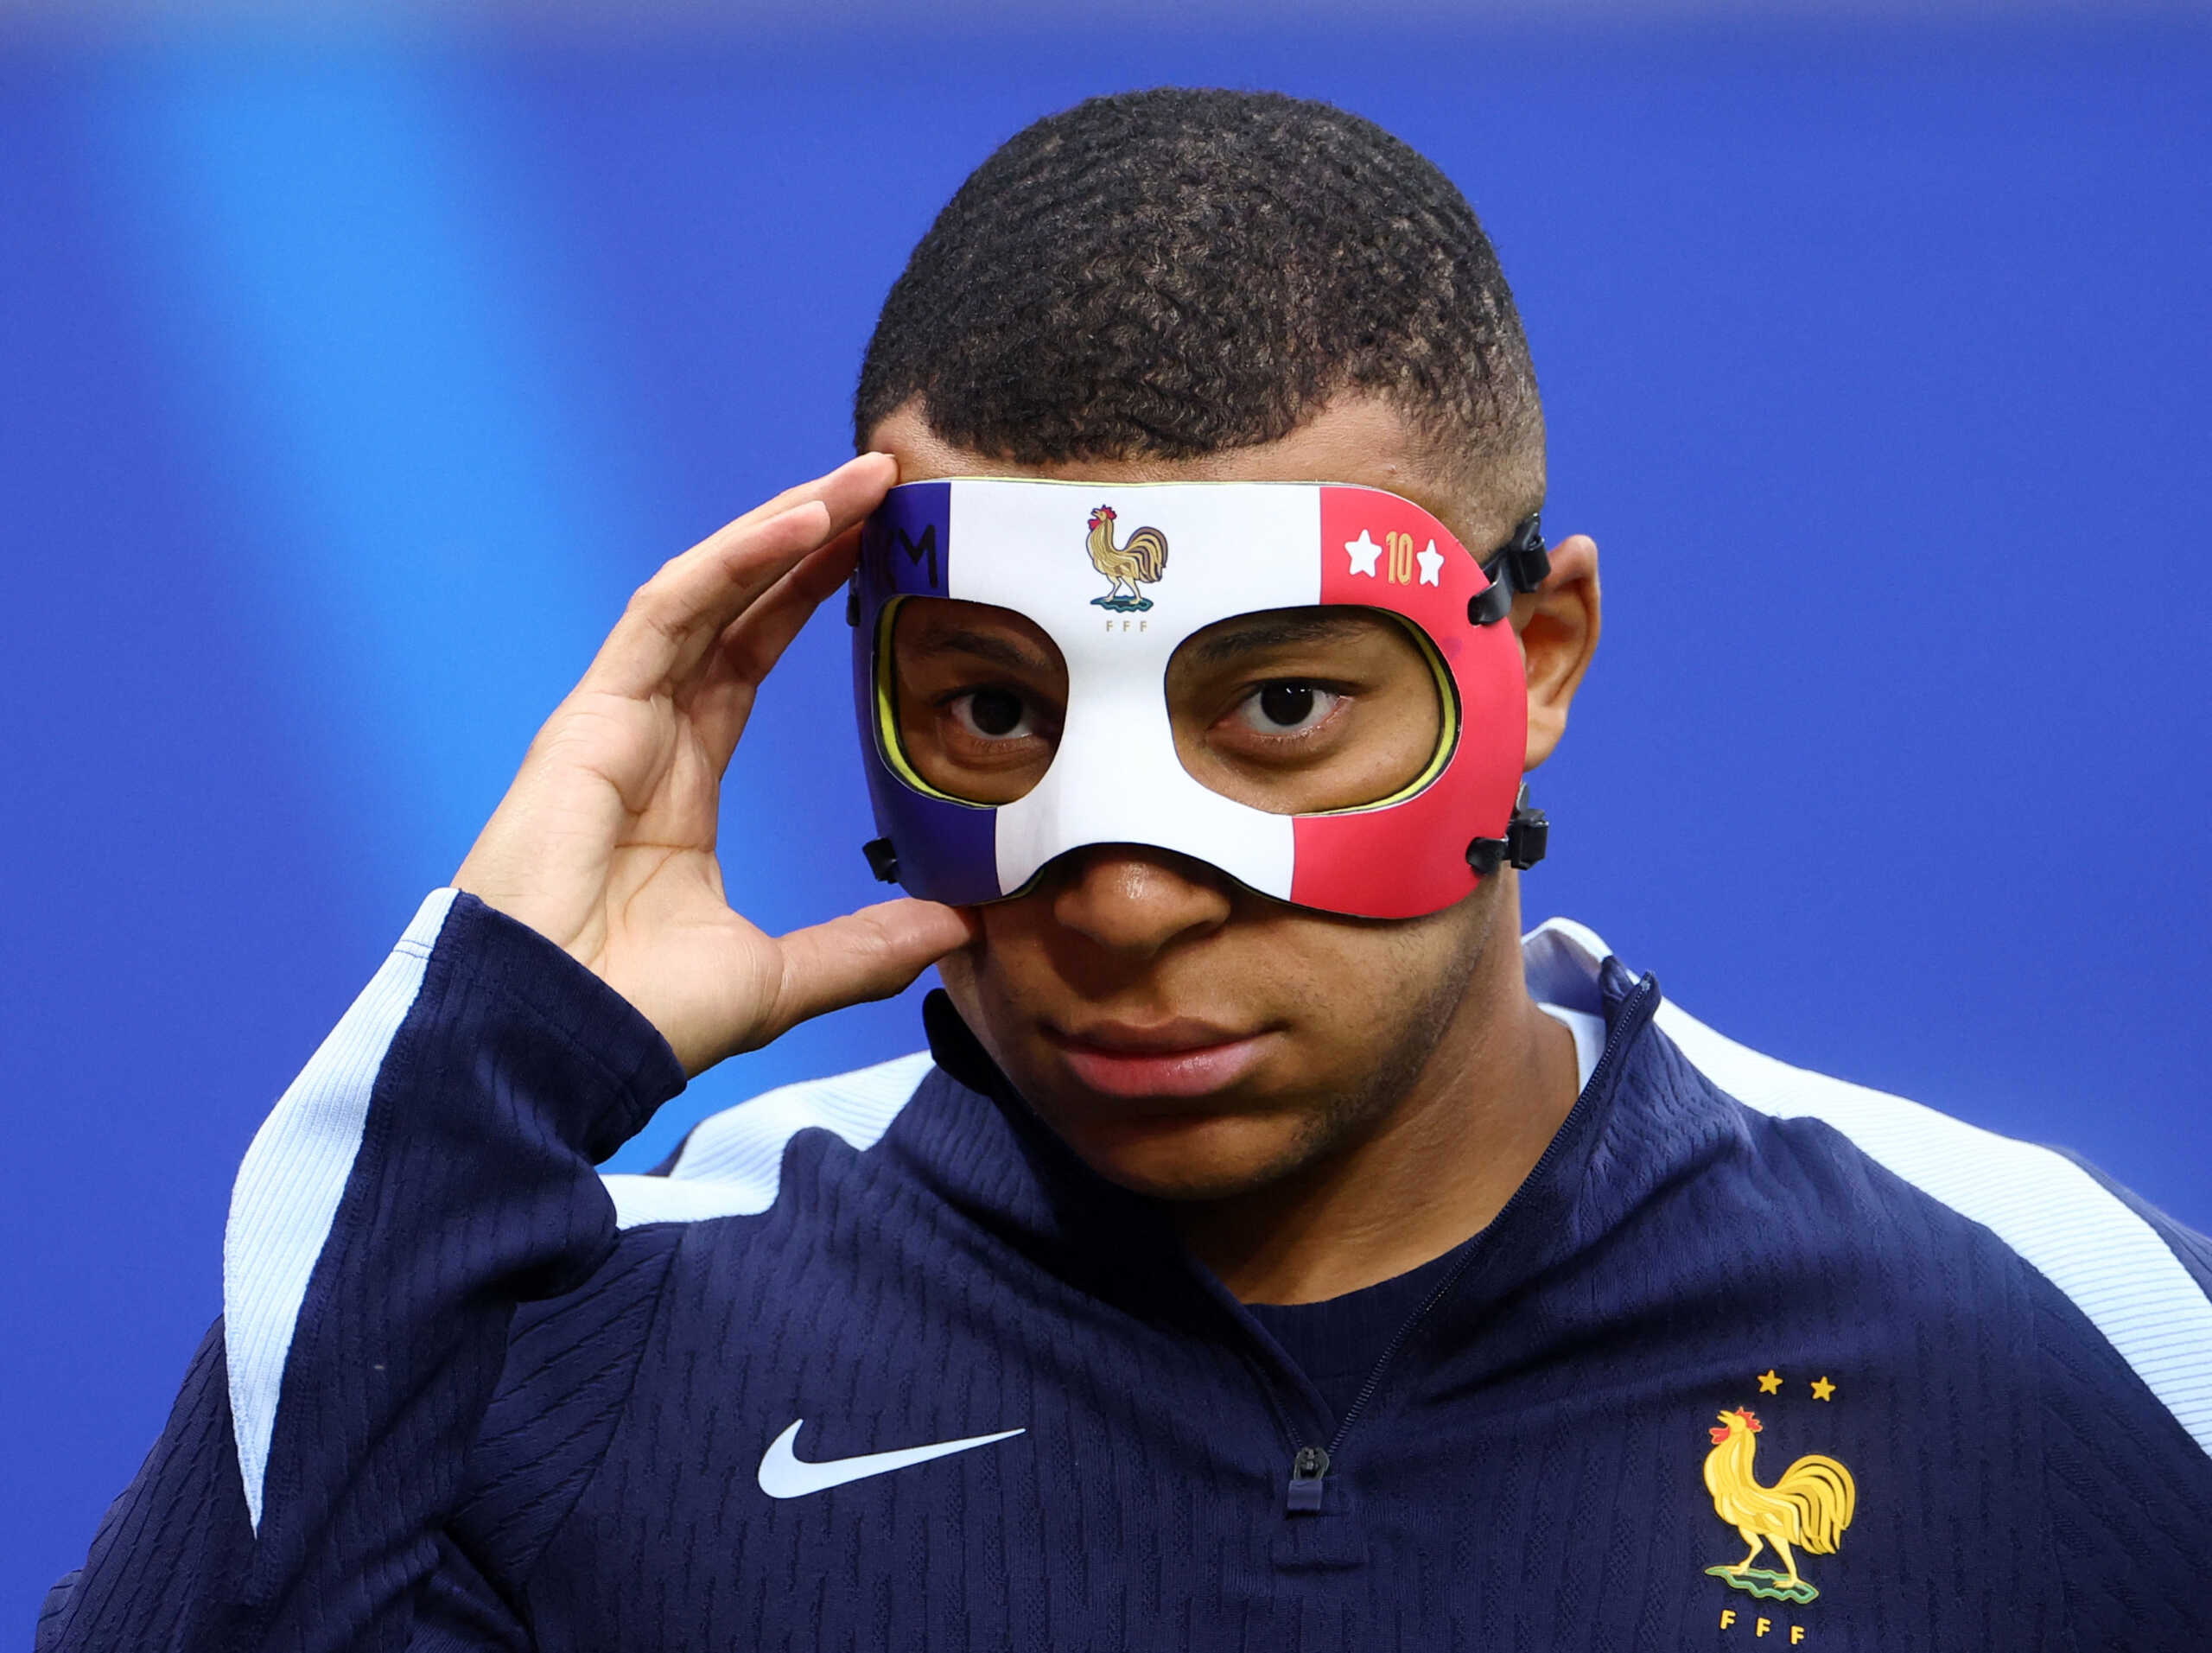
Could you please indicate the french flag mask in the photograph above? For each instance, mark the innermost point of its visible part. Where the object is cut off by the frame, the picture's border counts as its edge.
(1310, 687)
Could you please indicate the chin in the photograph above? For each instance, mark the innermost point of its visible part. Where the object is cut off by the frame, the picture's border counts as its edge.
(1183, 1157)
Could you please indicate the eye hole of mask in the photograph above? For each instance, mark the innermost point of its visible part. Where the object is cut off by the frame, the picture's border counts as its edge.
(1301, 711)
(970, 698)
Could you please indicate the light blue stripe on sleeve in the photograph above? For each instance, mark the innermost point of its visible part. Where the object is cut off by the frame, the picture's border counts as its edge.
(288, 1191)
(732, 1165)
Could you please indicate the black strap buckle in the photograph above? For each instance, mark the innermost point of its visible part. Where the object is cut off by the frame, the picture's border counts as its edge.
(1527, 835)
(1521, 564)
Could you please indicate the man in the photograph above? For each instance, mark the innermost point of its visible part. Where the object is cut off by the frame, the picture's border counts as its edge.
(1270, 1252)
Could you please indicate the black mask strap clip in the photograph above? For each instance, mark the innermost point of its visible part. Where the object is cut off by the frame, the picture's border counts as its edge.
(1522, 846)
(1519, 565)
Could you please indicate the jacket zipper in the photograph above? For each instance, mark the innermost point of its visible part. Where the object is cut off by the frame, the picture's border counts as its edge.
(1310, 1466)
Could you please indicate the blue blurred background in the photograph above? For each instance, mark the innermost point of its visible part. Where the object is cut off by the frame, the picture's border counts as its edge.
(353, 373)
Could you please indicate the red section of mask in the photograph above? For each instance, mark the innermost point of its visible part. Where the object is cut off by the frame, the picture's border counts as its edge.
(1408, 859)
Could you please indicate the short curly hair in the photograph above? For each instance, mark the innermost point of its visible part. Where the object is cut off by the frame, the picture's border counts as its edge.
(1174, 273)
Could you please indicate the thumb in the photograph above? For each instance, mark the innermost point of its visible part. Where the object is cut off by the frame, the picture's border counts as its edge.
(871, 954)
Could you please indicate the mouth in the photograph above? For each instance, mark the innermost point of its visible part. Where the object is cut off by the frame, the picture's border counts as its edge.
(1182, 1058)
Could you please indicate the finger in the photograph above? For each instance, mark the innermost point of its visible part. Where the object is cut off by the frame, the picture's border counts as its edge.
(871, 954)
(722, 699)
(683, 607)
(848, 492)
(675, 616)
(756, 640)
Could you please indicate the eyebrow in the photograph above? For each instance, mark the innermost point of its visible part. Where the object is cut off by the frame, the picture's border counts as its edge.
(984, 645)
(1280, 631)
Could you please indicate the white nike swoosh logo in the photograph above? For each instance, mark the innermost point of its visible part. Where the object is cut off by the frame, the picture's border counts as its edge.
(784, 1474)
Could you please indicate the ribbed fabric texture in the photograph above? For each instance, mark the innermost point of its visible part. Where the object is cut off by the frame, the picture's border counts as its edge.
(1340, 1342)
(2112, 1263)
(506, 1422)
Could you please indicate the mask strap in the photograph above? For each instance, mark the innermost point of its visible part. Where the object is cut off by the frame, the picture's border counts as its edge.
(1521, 564)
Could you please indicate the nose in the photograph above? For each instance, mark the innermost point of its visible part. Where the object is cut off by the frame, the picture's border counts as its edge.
(1134, 900)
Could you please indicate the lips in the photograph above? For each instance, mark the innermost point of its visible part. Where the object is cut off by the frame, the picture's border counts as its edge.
(1183, 1057)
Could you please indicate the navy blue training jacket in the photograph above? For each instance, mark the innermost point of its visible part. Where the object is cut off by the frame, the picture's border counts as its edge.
(876, 1363)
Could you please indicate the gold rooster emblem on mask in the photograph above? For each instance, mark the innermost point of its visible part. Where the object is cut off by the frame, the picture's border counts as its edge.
(1140, 562)
(1809, 1507)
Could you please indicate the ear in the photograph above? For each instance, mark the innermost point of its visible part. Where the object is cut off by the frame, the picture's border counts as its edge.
(1557, 625)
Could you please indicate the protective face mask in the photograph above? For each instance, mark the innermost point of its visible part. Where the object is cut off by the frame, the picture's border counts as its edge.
(1308, 686)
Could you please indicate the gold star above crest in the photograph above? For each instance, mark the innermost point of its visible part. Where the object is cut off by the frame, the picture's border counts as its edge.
(1770, 1385)
(1822, 1390)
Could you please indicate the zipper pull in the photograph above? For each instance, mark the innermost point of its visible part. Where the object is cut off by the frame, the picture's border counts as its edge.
(1306, 1472)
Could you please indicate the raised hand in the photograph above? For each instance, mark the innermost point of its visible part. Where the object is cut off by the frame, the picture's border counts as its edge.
(604, 843)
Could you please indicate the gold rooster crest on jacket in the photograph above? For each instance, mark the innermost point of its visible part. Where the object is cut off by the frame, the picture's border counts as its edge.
(1140, 562)
(1807, 1509)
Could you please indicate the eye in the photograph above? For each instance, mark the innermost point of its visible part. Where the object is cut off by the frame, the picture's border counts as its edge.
(1286, 708)
(993, 714)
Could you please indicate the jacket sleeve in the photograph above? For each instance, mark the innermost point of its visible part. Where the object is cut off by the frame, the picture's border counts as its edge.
(430, 1168)
(2126, 1456)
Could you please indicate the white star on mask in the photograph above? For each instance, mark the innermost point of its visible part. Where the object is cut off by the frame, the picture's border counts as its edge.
(1431, 564)
(1363, 552)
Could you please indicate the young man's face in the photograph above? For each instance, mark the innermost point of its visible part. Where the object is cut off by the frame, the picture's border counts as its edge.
(1190, 1039)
